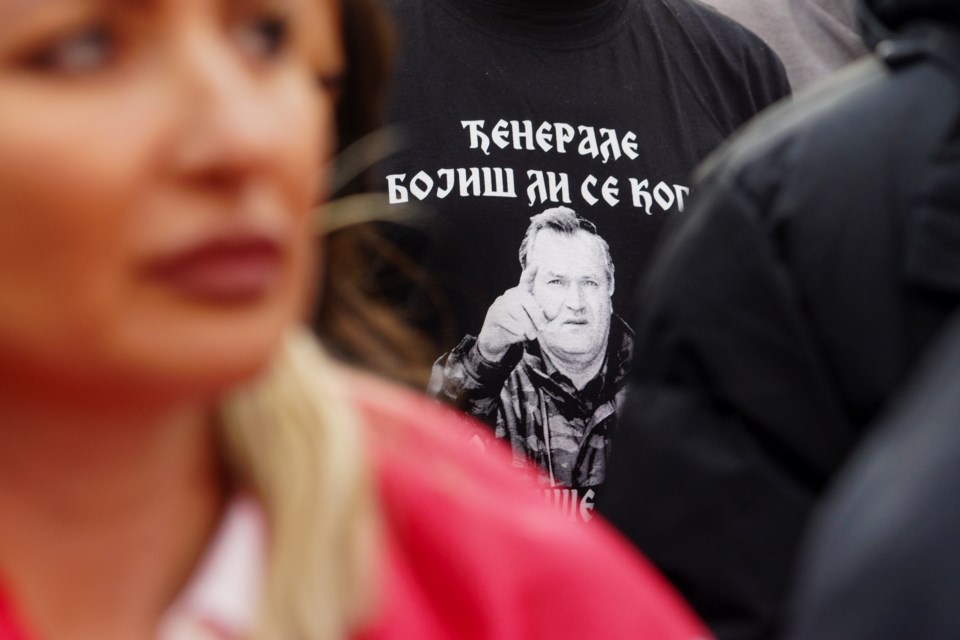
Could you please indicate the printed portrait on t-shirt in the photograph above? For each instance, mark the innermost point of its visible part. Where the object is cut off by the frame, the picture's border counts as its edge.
(502, 115)
(539, 234)
(547, 365)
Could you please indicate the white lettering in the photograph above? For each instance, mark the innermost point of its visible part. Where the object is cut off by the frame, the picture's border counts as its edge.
(565, 134)
(682, 193)
(559, 185)
(494, 187)
(664, 196)
(610, 147)
(478, 139)
(522, 137)
(570, 503)
(421, 192)
(537, 191)
(630, 145)
(469, 181)
(586, 505)
(610, 191)
(491, 182)
(525, 135)
(588, 145)
(448, 175)
(641, 197)
(585, 190)
(545, 137)
(501, 134)
(396, 194)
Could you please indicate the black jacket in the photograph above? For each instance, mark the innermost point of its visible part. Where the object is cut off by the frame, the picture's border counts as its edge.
(818, 259)
(882, 562)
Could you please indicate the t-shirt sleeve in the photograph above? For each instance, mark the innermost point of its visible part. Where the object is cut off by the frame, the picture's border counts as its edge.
(749, 61)
(765, 73)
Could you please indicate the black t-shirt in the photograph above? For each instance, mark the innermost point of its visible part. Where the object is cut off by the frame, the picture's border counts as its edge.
(511, 108)
(602, 106)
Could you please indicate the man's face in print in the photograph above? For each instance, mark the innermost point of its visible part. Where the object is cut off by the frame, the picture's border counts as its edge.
(573, 285)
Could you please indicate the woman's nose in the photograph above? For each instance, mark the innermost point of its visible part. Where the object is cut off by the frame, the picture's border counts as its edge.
(229, 128)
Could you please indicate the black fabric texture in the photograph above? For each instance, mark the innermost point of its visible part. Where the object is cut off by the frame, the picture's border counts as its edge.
(897, 13)
(676, 74)
(882, 560)
(603, 107)
(881, 19)
(814, 268)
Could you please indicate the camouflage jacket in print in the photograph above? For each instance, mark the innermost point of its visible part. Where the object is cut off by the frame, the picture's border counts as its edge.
(537, 409)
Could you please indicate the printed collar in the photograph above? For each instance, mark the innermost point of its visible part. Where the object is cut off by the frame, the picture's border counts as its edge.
(608, 381)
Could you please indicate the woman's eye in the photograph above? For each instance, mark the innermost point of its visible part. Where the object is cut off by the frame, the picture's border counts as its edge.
(264, 38)
(85, 51)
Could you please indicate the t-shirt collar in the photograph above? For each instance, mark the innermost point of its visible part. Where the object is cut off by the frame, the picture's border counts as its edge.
(222, 598)
(562, 25)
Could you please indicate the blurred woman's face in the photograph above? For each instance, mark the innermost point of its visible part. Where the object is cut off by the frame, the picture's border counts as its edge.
(158, 160)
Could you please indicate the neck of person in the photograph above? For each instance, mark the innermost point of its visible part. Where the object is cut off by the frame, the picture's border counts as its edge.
(105, 512)
(549, 6)
(543, 21)
(539, 13)
(580, 369)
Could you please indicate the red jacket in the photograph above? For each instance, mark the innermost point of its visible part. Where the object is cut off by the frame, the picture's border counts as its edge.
(474, 551)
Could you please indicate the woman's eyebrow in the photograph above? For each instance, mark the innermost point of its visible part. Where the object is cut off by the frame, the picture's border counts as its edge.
(127, 4)
(11, 10)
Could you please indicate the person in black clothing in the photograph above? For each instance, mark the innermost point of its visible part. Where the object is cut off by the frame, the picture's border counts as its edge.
(548, 365)
(881, 562)
(813, 38)
(510, 107)
(818, 261)
(507, 107)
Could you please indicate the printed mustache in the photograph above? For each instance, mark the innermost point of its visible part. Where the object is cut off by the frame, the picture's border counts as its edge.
(561, 319)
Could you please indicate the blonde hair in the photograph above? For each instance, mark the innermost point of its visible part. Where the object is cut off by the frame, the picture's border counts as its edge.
(296, 440)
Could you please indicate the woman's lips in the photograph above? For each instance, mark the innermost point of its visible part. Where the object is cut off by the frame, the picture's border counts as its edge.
(223, 271)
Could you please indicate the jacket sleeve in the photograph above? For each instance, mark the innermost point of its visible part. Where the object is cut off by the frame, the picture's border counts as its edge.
(469, 381)
(880, 561)
(731, 424)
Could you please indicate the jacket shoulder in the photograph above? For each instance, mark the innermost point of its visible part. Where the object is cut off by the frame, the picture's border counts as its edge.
(483, 545)
(857, 112)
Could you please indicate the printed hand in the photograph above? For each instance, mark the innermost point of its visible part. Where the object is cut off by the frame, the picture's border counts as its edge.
(513, 317)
